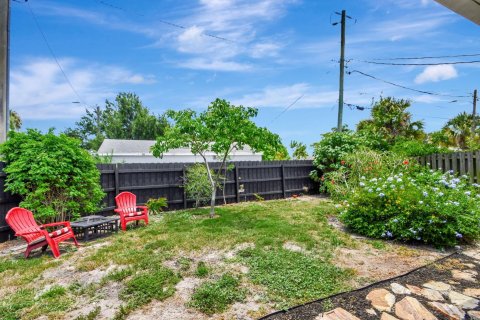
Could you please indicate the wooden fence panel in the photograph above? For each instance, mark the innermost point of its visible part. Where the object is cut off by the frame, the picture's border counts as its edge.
(248, 179)
(462, 163)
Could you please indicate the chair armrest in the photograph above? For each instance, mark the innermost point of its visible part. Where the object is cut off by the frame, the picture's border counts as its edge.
(54, 224)
(27, 233)
(118, 210)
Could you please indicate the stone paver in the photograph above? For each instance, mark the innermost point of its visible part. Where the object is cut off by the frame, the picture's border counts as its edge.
(399, 289)
(448, 310)
(337, 314)
(467, 275)
(410, 308)
(430, 294)
(472, 292)
(463, 301)
(474, 315)
(381, 299)
(438, 285)
(371, 311)
(386, 316)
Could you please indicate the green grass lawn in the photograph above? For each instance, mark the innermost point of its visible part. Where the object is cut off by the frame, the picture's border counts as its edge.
(141, 258)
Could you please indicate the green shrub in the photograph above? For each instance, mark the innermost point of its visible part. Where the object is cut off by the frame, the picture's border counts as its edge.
(155, 206)
(56, 178)
(196, 184)
(415, 204)
(415, 148)
(216, 296)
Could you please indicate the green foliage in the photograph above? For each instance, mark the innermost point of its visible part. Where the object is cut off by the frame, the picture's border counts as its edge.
(459, 131)
(143, 288)
(258, 197)
(202, 270)
(329, 154)
(299, 150)
(390, 120)
(124, 118)
(221, 128)
(215, 296)
(155, 206)
(415, 204)
(56, 178)
(292, 277)
(15, 122)
(197, 184)
(416, 148)
(12, 306)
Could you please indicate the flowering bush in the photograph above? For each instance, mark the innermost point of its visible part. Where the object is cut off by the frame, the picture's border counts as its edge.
(415, 204)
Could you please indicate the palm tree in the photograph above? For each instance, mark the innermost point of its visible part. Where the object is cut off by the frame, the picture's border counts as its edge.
(459, 129)
(15, 122)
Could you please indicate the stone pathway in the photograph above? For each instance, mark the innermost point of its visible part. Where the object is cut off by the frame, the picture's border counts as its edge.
(449, 289)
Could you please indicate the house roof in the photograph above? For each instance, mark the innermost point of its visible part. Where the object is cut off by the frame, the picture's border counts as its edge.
(142, 147)
(470, 9)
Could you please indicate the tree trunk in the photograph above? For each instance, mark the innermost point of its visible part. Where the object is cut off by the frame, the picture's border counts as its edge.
(212, 202)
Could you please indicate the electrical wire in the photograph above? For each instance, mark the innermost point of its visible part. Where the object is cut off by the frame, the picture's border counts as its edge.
(428, 57)
(171, 24)
(419, 64)
(288, 107)
(52, 52)
(406, 88)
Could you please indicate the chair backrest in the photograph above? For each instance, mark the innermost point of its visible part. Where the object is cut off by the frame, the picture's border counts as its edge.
(21, 220)
(126, 201)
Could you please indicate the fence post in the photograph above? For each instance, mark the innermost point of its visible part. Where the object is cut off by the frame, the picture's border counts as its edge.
(117, 180)
(283, 182)
(185, 204)
(471, 174)
(237, 187)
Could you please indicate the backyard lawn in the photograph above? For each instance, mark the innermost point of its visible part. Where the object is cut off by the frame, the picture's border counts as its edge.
(252, 259)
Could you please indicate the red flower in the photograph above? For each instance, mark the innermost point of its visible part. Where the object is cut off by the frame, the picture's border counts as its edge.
(333, 181)
(342, 162)
(405, 162)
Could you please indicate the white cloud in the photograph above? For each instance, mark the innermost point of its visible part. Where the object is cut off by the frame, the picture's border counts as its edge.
(38, 90)
(437, 73)
(214, 65)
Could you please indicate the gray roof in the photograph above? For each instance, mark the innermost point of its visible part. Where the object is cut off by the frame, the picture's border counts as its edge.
(118, 146)
(470, 9)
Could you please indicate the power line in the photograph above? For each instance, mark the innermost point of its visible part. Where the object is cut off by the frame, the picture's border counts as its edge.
(406, 88)
(419, 64)
(171, 24)
(429, 57)
(52, 52)
(288, 107)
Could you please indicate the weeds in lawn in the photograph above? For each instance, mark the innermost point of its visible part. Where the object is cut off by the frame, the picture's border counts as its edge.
(202, 270)
(92, 315)
(292, 277)
(217, 296)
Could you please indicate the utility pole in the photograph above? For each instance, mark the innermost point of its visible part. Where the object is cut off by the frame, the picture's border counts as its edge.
(342, 73)
(4, 67)
(474, 113)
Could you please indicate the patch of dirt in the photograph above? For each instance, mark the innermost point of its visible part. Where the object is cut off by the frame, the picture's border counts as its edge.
(292, 246)
(107, 299)
(372, 264)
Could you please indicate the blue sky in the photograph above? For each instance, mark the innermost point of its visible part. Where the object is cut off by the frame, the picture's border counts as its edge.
(272, 53)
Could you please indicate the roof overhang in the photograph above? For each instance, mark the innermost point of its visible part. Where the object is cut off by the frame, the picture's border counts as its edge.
(470, 9)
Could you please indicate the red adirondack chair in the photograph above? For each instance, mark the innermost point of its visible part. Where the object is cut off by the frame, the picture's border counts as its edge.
(22, 222)
(128, 210)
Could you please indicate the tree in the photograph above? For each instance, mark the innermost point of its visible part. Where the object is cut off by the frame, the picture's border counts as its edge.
(221, 128)
(56, 178)
(299, 150)
(459, 130)
(15, 122)
(390, 119)
(124, 118)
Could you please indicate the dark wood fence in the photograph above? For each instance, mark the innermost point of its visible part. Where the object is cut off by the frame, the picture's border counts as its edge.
(268, 179)
(464, 163)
